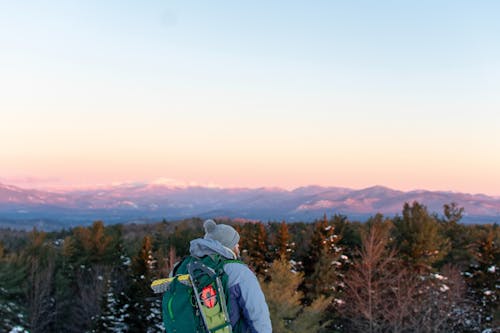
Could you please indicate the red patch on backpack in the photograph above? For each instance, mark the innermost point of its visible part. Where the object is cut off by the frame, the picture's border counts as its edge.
(209, 296)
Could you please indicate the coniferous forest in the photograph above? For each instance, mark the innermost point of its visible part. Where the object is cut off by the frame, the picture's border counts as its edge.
(418, 271)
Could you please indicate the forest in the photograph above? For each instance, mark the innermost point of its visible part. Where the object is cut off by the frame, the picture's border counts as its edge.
(418, 271)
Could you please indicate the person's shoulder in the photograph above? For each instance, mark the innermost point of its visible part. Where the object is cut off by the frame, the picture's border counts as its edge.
(237, 265)
(238, 271)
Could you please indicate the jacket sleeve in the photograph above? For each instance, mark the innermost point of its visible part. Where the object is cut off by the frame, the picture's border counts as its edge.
(253, 303)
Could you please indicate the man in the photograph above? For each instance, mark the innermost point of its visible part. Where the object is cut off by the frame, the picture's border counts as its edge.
(247, 304)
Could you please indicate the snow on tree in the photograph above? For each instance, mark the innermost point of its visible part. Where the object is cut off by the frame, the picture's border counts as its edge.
(324, 264)
(114, 311)
(383, 294)
(145, 311)
(13, 314)
(483, 277)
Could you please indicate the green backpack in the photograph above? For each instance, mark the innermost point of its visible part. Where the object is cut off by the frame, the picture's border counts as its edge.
(195, 300)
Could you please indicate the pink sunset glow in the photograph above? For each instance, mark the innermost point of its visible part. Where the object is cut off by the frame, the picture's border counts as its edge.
(126, 98)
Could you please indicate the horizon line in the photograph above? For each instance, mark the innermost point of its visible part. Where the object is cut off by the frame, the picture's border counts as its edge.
(185, 185)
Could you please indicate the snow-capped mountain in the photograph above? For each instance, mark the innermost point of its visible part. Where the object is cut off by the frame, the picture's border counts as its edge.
(131, 202)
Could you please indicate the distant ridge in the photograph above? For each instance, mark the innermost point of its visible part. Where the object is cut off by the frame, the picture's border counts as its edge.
(122, 203)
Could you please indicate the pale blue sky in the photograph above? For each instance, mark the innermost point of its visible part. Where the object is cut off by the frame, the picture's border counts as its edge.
(271, 93)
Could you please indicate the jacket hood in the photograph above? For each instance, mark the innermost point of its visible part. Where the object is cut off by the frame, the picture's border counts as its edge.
(201, 247)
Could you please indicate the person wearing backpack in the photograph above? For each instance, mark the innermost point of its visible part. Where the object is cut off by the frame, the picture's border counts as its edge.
(245, 303)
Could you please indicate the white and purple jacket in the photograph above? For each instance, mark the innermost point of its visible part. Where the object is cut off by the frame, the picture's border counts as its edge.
(246, 299)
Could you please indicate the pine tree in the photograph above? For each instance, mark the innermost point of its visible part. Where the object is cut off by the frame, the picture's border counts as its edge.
(284, 301)
(260, 255)
(483, 277)
(419, 239)
(323, 240)
(13, 312)
(183, 234)
(254, 246)
(458, 235)
(282, 245)
(323, 266)
(143, 314)
(246, 232)
(113, 311)
(349, 233)
(453, 213)
(115, 303)
(39, 256)
(89, 256)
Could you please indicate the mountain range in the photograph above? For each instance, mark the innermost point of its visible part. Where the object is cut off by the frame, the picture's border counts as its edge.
(25, 208)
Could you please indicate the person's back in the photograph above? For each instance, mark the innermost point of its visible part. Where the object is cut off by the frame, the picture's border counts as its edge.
(247, 306)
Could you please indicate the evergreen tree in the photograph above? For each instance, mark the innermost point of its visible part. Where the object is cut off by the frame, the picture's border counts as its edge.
(255, 247)
(115, 303)
(284, 301)
(323, 266)
(39, 257)
(89, 256)
(483, 277)
(321, 235)
(282, 245)
(183, 233)
(453, 213)
(13, 312)
(114, 311)
(143, 316)
(348, 231)
(246, 232)
(458, 234)
(418, 237)
(260, 255)
(88, 281)
(163, 251)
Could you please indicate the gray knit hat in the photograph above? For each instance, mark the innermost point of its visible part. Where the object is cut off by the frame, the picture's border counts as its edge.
(223, 233)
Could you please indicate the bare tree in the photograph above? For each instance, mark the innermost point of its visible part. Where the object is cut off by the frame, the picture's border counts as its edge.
(398, 310)
(369, 282)
(166, 262)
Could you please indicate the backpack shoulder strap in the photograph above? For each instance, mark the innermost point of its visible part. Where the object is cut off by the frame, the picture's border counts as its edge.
(233, 261)
(220, 261)
(180, 267)
(176, 266)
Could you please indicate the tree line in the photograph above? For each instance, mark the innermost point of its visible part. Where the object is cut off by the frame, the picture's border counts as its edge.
(414, 272)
